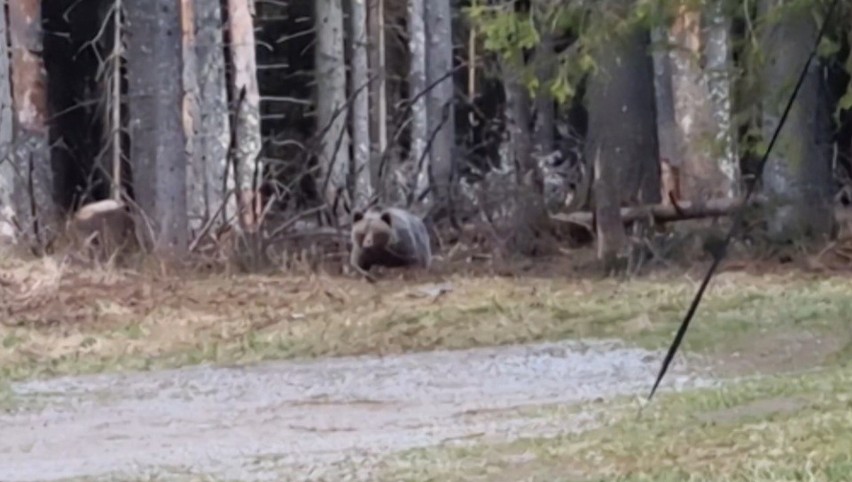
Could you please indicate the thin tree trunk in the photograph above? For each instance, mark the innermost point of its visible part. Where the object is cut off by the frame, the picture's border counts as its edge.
(378, 89)
(718, 64)
(247, 118)
(361, 105)
(439, 61)
(331, 97)
(545, 112)
(798, 174)
(212, 135)
(157, 136)
(622, 138)
(35, 206)
(194, 171)
(7, 171)
(668, 136)
(416, 87)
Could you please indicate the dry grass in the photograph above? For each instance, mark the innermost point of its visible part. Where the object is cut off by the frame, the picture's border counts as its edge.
(58, 319)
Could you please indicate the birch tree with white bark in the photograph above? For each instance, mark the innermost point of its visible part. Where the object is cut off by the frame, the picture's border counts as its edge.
(416, 88)
(330, 100)
(210, 134)
(245, 89)
(360, 94)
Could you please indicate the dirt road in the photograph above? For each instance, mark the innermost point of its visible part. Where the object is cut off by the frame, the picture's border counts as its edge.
(299, 420)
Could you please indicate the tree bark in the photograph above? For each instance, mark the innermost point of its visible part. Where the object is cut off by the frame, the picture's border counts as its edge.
(35, 205)
(545, 112)
(439, 61)
(378, 88)
(360, 105)
(668, 136)
(798, 173)
(701, 174)
(7, 171)
(718, 65)
(211, 136)
(416, 88)
(331, 97)
(247, 117)
(157, 136)
(622, 138)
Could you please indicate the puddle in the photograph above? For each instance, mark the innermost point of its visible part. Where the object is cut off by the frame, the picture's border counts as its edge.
(281, 419)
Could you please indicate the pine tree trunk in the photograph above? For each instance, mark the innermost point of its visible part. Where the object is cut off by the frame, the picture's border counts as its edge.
(212, 134)
(622, 137)
(360, 105)
(194, 173)
(331, 97)
(718, 65)
(7, 170)
(668, 136)
(247, 117)
(797, 177)
(416, 88)
(701, 174)
(157, 136)
(439, 61)
(545, 112)
(33, 198)
(378, 88)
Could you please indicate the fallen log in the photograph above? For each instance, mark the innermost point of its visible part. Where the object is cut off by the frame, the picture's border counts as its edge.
(663, 213)
(684, 210)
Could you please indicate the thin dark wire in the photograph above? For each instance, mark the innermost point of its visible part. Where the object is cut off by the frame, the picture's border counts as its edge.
(739, 212)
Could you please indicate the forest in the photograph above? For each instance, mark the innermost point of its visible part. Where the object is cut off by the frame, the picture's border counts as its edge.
(180, 182)
(516, 128)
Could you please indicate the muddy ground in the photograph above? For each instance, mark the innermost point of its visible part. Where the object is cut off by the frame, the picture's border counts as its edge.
(322, 419)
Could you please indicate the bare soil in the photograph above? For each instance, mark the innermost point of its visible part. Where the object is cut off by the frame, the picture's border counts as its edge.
(307, 420)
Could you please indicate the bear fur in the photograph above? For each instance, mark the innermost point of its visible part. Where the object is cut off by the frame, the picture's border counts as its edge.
(390, 237)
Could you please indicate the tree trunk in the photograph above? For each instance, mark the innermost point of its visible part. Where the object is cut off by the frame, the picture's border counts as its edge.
(33, 199)
(247, 117)
(718, 65)
(331, 97)
(157, 137)
(622, 137)
(7, 171)
(194, 173)
(701, 174)
(211, 136)
(439, 61)
(360, 105)
(668, 136)
(416, 88)
(798, 174)
(545, 113)
(378, 89)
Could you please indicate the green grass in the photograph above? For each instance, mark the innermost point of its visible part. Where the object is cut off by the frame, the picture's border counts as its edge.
(781, 428)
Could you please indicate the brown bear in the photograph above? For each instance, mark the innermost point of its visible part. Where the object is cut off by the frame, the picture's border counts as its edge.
(389, 236)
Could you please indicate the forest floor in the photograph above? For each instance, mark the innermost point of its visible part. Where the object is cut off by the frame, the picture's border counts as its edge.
(461, 374)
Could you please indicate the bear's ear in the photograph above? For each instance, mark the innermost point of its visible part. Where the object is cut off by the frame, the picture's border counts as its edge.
(357, 216)
(386, 217)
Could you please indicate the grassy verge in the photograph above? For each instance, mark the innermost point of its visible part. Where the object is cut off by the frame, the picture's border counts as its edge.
(780, 428)
(57, 320)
